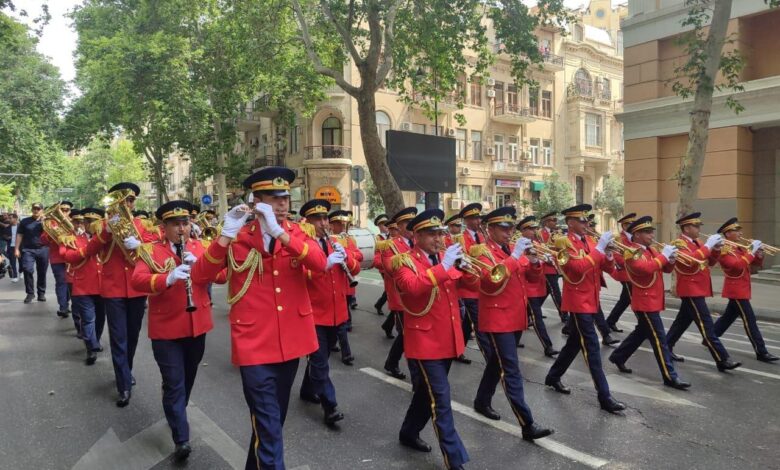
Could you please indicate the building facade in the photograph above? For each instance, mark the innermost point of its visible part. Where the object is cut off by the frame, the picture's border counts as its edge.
(743, 154)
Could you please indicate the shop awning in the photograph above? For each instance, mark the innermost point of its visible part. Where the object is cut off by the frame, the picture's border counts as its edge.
(537, 185)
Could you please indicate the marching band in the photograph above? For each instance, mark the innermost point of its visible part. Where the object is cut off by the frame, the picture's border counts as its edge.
(290, 291)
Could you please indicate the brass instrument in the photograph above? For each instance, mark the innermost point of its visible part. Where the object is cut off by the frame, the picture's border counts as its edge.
(352, 281)
(768, 249)
(124, 226)
(62, 230)
(728, 242)
(188, 283)
(209, 232)
(628, 252)
(682, 258)
(474, 267)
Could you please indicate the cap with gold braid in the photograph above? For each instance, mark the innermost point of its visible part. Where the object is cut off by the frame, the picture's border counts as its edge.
(92, 213)
(640, 224)
(472, 210)
(381, 219)
(731, 224)
(315, 207)
(141, 214)
(627, 219)
(273, 179)
(579, 212)
(429, 219)
(690, 219)
(503, 216)
(125, 185)
(550, 215)
(403, 215)
(453, 220)
(528, 222)
(75, 214)
(174, 210)
(339, 216)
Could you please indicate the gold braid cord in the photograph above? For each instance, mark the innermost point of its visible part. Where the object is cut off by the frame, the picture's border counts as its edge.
(728, 250)
(630, 278)
(145, 253)
(404, 259)
(681, 244)
(580, 255)
(253, 263)
(478, 250)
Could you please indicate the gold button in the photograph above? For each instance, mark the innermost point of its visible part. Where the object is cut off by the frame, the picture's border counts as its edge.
(238, 321)
(276, 273)
(278, 290)
(279, 307)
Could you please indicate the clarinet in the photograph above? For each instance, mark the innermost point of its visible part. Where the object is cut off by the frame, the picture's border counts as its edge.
(188, 283)
(352, 281)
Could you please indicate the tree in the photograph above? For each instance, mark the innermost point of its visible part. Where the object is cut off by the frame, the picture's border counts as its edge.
(555, 196)
(389, 41)
(7, 197)
(610, 198)
(374, 199)
(697, 77)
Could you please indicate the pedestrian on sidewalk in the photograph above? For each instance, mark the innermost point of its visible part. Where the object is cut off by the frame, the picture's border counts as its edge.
(34, 254)
(9, 232)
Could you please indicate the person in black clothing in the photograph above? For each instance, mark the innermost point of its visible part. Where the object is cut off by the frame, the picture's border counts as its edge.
(8, 229)
(33, 253)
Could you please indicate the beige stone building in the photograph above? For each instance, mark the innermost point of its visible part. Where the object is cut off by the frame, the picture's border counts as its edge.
(513, 137)
(743, 156)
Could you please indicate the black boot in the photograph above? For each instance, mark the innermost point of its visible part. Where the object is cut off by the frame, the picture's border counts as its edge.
(675, 357)
(727, 365)
(767, 357)
(611, 405)
(532, 431)
(123, 400)
(182, 451)
(91, 357)
(333, 416)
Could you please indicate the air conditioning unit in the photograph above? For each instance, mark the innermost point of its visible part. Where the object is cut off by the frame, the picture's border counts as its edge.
(465, 171)
(491, 82)
(406, 126)
(450, 132)
(454, 204)
(491, 93)
(490, 151)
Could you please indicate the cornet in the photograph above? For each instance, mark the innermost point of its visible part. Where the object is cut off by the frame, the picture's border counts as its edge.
(768, 249)
(474, 267)
(627, 251)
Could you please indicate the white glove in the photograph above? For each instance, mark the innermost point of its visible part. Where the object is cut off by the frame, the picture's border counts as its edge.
(268, 220)
(337, 257)
(189, 258)
(755, 246)
(338, 247)
(196, 229)
(669, 251)
(713, 240)
(234, 220)
(606, 237)
(179, 273)
(111, 221)
(521, 245)
(452, 255)
(131, 243)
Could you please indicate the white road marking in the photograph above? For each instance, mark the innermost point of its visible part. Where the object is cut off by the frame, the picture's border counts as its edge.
(736, 371)
(546, 443)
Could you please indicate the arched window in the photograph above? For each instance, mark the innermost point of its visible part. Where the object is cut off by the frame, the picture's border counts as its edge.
(331, 138)
(382, 126)
(583, 82)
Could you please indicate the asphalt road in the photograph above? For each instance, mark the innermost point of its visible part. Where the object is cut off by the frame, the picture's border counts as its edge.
(57, 413)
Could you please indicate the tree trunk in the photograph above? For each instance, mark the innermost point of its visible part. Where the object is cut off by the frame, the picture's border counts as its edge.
(376, 156)
(693, 161)
(156, 164)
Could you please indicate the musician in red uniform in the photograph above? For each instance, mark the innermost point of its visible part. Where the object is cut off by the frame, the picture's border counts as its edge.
(693, 285)
(271, 322)
(502, 314)
(647, 302)
(401, 243)
(581, 286)
(468, 288)
(124, 305)
(599, 318)
(178, 319)
(536, 290)
(381, 223)
(433, 335)
(736, 262)
(454, 228)
(86, 278)
(549, 223)
(339, 222)
(327, 291)
(620, 275)
(58, 266)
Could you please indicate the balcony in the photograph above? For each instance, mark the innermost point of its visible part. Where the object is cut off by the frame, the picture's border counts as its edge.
(266, 160)
(335, 92)
(512, 114)
(252, 113)
(447, 104)
(552, 62)
(511, 169)
(327, 156)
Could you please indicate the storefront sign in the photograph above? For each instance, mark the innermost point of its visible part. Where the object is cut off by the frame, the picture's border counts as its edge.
(509, 184)
(329, 193)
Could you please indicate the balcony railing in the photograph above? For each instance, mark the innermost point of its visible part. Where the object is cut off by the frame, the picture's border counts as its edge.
(317, 152)
(267, 160)
(511, 167)
(552, 59)
(506, 109)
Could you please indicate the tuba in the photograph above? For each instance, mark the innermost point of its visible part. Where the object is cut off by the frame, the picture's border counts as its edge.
(124, 225)
(58, 226)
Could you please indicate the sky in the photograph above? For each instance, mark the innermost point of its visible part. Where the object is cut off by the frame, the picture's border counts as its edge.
(59, 40)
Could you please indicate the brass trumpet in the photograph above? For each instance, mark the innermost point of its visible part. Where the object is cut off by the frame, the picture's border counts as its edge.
(210, 232)
(627, 251)
(682, 258)
(474, 267)
(768, 249)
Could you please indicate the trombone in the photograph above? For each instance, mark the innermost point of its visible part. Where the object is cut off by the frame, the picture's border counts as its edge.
(768, 249)
(614, 245)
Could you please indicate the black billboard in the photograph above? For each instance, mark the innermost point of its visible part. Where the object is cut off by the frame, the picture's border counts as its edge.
(421, 162)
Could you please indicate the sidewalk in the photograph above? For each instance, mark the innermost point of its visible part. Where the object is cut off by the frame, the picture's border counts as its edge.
(765, 301)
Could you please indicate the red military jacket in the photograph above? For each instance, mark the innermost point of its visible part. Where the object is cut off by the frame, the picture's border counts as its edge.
(54, 248)
(328, 289)
(502, 305)
(117, 270)
(401, 246)
(694, 281)
(619, 274)
(468, 287)
(270, 317)
(85, 270)
(436, 333)
(167, 317)
(736, 264)
(647, 280)
(548, 267)
(582, 276)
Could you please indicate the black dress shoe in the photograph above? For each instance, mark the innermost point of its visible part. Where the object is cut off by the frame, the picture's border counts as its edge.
(677, 383)
(310, 398)
(353, 306)
(520, 345)
(565, 330)
(487, 412)
(41, 298)
(611, 405)
(378, 309)
(395, 372)
(615, 328)
(675, 357)
(389, 332)
(414, 443)
(335, 348)
(767, 357)
(62, 314)
(29, 298)
(621, 366)
(91, 357)
(333, 416)
(550, 352)
(182, 451)
(609, 341)
(727, 365)
(463, 359)
(123, 400)
(532, 431)
(558, 386)
(348, 360)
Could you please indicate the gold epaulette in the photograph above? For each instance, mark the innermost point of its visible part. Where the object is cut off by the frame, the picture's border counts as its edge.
(308, 229)
(726, 249)
(381, 245)
(146, 248)
(680, 244)
(96, 227)
(402, 259)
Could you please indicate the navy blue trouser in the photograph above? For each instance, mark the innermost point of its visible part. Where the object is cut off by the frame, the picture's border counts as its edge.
(178, 361)
(397, 349)
(535, 317)
(742, 309)
(471, 310)
(622, 304)
(694, 310)
(267, 393)
(649, 327)
(601, 322)
(61, 286)
(10, 253)
(382, 300)
(316, 379)
(35, 260)
(582, 338)
(92, 317)
(431, 401)
(503, 366)
(554, 290)
(125, 316)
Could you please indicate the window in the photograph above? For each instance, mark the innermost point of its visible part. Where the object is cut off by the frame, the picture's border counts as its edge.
(463, 190)
(577, 32)
(460, 87)
(533, 149)
(460, 144)
(503, 200)
(432, 130)
(511, 98)
(498, 146)
(331, 138)
(513, 149)
(547, 104)
(592, 130)
(476, 92)
(418, 128)
(476, 145)
(533, 100)
(295, 143)
(547, 152)
(476, 191)
(579, 184)
(583, 83)
(499, 89)
(470, 192)
(382, 126)
(606, 90)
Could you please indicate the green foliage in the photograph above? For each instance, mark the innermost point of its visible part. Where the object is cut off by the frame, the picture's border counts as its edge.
(373, 198)
(610, 197)
(555, 196)
(7, 196)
